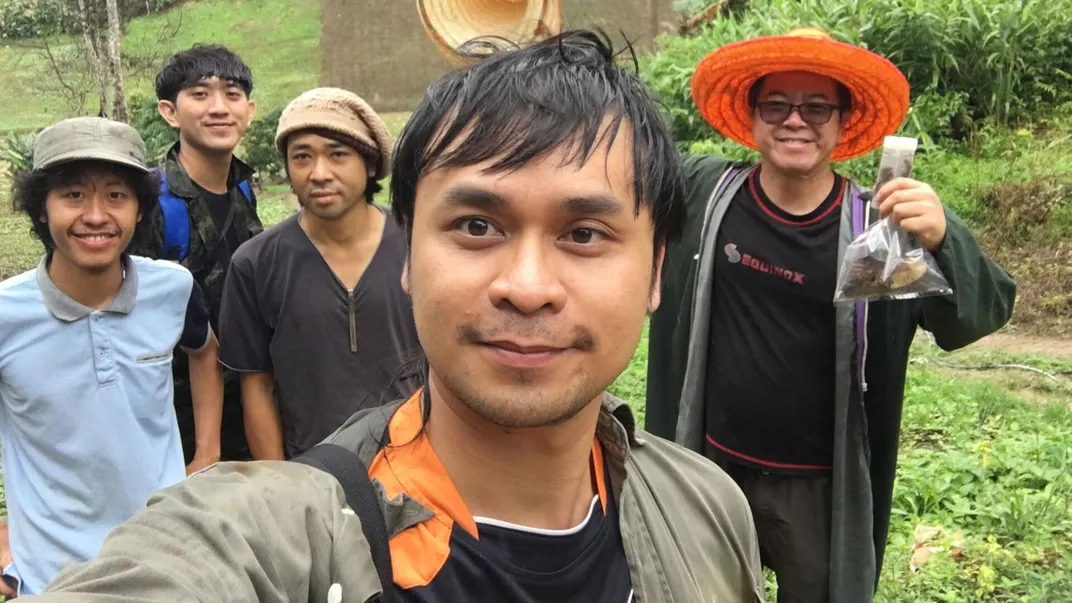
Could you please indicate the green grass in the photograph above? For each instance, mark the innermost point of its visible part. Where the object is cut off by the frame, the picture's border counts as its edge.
(278, 39)
(986, 470)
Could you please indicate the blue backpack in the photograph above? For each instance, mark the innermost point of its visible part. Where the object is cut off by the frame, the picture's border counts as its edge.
(177, 220)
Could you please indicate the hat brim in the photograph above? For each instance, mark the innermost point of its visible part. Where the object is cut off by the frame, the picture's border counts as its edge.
(880, 92)
(93, 156)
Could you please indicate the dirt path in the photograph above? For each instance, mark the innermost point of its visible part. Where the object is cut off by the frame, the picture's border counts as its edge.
(1026, 344)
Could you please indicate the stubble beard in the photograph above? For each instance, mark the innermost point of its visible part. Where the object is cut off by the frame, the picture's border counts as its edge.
(523, 405)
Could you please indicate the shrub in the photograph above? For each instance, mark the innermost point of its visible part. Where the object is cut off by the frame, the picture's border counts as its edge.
(1017, 209)
(157, 134)
(259, 147)
(17, 151)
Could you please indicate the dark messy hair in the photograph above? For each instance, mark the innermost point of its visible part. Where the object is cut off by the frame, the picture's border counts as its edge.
(187, 68)
(844, 97)
(32, 188)
(369, 154)
(519, 105)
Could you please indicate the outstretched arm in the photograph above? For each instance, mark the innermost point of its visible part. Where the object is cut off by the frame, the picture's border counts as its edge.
(257, 532)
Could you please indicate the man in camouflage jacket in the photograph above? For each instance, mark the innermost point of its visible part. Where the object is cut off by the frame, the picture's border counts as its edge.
(204, 93)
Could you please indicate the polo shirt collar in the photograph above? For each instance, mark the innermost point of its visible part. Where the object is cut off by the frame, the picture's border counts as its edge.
(66, 309)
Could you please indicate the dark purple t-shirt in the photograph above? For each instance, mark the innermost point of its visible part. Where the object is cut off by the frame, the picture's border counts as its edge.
(332, 352)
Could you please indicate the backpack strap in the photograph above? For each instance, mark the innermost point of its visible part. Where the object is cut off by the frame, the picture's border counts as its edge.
(176, 221)
(247, 192)
(363, 499)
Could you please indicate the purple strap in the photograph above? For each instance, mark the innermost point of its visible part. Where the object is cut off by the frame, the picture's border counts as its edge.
(859, 224)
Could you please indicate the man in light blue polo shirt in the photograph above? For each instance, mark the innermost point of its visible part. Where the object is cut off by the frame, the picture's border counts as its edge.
(87, 424)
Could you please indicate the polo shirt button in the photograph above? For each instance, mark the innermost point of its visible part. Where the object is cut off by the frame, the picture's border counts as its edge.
(96, 318)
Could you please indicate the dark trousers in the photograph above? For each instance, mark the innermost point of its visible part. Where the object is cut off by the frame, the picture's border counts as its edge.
(792, 516)
(233, 446)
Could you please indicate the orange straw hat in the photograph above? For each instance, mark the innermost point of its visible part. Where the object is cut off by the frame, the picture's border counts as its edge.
(879, 90)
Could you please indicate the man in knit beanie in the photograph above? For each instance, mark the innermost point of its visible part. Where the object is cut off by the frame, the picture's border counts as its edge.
(314, 317)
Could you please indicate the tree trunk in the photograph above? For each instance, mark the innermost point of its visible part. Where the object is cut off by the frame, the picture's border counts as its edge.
(115, 35)
(93, 56)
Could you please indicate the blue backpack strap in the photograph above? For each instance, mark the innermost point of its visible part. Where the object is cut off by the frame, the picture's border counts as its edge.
(177, 219)
(247, 192)
(176, 222)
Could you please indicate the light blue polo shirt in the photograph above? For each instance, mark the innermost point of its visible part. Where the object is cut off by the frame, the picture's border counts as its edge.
(87, 421)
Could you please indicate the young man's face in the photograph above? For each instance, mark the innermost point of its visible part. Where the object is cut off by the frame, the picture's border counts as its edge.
(211, 116)
(92, 218)
(328, 177)
(792, 144)
(530, 288)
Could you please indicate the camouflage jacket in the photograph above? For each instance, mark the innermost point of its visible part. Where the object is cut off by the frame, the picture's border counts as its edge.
(208, 266)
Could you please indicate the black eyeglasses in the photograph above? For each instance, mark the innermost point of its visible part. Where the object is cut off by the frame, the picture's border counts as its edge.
(775, 112)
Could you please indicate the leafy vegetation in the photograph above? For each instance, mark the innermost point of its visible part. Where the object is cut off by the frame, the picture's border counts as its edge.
(29, 18)
(259, 147)
(17, 153)
(966, 60)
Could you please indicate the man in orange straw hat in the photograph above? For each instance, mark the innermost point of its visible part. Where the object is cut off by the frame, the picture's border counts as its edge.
(750, 361)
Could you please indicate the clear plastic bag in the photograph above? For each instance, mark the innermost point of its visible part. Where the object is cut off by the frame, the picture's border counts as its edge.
(886, 262)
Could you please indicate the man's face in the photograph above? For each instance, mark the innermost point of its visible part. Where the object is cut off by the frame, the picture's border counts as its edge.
(328, 177)
(211, 116)
(793, 145)
(530, 287)
(92, 219)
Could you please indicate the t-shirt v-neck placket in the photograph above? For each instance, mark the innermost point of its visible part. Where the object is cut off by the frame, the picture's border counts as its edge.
(350, 294)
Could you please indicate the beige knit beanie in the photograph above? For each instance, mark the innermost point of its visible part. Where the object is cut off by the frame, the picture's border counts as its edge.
(340, 111)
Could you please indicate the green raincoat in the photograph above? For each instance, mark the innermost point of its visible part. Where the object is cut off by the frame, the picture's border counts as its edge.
(872, 343)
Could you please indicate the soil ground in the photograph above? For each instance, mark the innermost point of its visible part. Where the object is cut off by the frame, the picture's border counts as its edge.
(1027, 344)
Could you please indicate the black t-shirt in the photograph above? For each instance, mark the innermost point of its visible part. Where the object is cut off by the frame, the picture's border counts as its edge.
(331, 352)
(219, 206)
(770, 395)
(586, 564)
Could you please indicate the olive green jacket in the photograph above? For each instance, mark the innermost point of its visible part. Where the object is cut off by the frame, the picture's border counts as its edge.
(872, 344)
(276, 531)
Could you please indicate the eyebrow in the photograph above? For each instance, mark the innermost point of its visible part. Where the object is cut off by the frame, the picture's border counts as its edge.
(305, 146)
(478, 198)
(594, 205)
(810, 97)
(471, 196)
